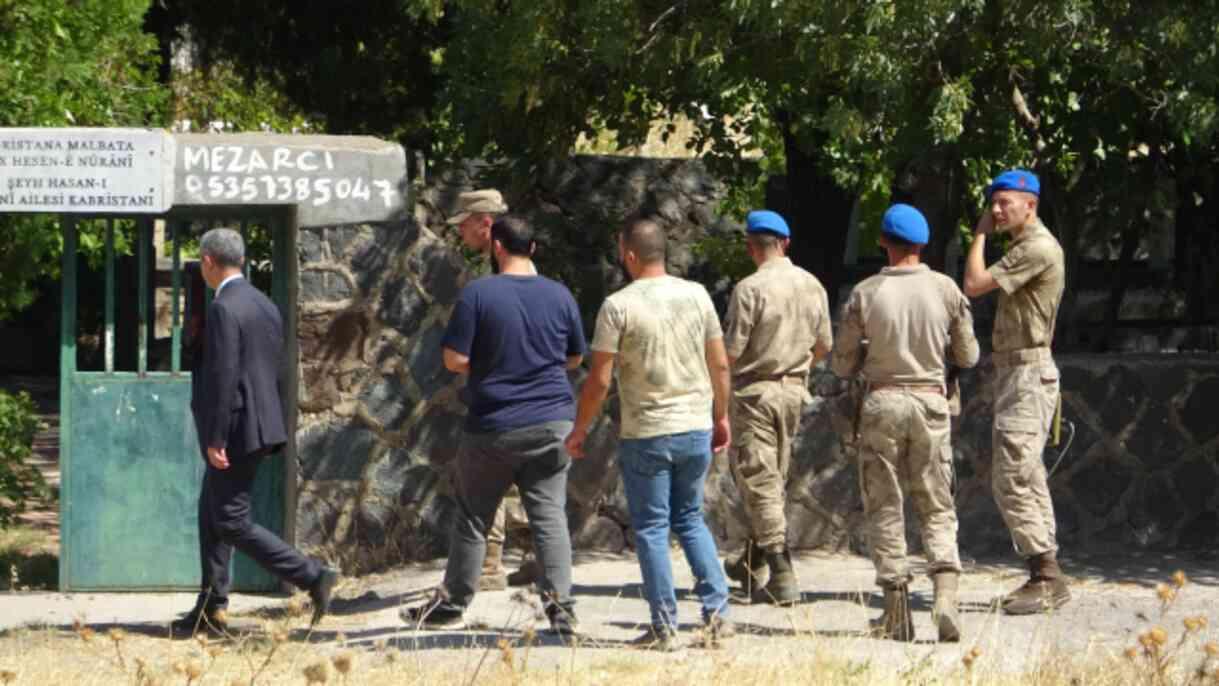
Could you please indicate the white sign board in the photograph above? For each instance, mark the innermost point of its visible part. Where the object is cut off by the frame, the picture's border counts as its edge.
(330, 179)
(86, 171)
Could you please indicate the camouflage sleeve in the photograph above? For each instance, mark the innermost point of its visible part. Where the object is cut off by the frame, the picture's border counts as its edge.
(738, 321)
(848, 353)
(964, 343)
(1020, 265)
(825, 329)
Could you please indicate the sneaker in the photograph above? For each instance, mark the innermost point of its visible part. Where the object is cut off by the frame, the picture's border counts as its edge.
(563, 622)
(716, 630)
(434, 614)
(662, 640)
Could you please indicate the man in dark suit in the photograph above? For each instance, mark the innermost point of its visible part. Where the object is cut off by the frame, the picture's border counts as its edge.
(239, 419)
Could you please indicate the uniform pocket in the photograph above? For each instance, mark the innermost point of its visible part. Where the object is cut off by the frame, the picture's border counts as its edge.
(1019, 397)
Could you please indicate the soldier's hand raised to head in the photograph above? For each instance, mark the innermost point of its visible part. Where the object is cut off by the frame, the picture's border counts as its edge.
(986, 224)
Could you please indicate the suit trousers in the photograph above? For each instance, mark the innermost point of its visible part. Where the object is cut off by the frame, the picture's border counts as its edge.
(226, 522)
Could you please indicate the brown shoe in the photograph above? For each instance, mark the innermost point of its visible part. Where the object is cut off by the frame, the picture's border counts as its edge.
(1046, 589)
(716, 631)
(748, 570)
(944, 613)
(897, 621)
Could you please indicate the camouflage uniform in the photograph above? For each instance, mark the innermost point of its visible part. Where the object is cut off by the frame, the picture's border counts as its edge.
(776, 317)
(1031, 277)
(915, 322)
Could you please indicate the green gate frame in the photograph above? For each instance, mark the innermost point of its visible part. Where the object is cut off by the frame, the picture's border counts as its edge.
(117, 552)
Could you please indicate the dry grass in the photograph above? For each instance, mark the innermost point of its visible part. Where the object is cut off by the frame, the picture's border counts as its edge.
(280, 651)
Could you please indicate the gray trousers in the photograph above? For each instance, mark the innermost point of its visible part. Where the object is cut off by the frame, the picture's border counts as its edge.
(534, 459)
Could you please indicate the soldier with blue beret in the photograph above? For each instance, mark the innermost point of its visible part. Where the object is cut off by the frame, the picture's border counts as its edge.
(916, 322)
(778, 327)
(1030, 279)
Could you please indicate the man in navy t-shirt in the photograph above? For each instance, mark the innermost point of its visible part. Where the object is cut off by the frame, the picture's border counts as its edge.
(515, 335)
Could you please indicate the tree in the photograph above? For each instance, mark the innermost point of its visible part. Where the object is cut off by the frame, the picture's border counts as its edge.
(84, 63)
(354, 68)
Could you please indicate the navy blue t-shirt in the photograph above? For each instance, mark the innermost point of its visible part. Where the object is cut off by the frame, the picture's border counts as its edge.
(518, 332)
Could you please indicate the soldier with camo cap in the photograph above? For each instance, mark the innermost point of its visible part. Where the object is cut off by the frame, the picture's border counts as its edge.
(900, 329)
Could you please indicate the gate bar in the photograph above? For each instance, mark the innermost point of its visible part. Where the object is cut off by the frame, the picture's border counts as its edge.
(67, 368)
(142, 251)
(175, 354)
(109, 341)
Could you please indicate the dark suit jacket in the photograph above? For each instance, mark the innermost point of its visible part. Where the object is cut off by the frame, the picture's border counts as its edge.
(235, 391)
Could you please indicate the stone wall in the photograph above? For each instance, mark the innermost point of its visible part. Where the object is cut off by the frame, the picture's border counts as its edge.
(380, 417)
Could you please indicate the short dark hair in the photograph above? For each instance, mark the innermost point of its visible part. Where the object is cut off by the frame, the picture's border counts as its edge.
(901, 244)
(764, 240)
(514, 233)
(646, 239)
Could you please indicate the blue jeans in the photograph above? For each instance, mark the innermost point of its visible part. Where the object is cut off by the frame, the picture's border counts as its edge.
(664, 477)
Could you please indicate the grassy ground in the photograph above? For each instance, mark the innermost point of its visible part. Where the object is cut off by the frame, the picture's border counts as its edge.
(274, 646)
(274, 655)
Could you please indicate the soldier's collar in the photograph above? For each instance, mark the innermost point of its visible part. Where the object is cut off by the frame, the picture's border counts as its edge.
(776, 261)
(920, 267)
(1031, 228)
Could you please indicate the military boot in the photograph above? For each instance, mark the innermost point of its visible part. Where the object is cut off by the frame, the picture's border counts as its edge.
(1045, 590)
(748, 570)
(944, 612)
(897, 621)
(782, 589)
(493, 577)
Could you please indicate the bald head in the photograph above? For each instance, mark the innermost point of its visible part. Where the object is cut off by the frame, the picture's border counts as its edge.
(645, 239)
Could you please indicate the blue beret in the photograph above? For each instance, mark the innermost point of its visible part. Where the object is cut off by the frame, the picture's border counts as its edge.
(1015, 180)
(765, 221)
(905, 222)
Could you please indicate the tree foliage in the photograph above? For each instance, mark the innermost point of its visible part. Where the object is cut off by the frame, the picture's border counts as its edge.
(854, 103)
(82, 63)
(19, 481)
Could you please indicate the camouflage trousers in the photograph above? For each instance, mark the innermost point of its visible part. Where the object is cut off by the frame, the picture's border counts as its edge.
(905, 447)
(765, 417)
(1026, 396)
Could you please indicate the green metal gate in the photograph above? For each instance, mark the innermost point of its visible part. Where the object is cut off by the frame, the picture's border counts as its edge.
(129, 458)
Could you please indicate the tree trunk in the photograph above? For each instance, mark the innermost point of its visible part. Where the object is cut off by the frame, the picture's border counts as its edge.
(818, 211)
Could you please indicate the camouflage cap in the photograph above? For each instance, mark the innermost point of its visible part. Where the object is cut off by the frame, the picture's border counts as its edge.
(487, 201)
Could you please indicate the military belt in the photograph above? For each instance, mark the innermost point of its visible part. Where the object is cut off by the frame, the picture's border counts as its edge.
(1012, 358)
(913, 388)
(793, 379)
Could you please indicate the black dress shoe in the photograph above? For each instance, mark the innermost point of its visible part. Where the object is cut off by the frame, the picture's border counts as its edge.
(210, 621)
(321, 593)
